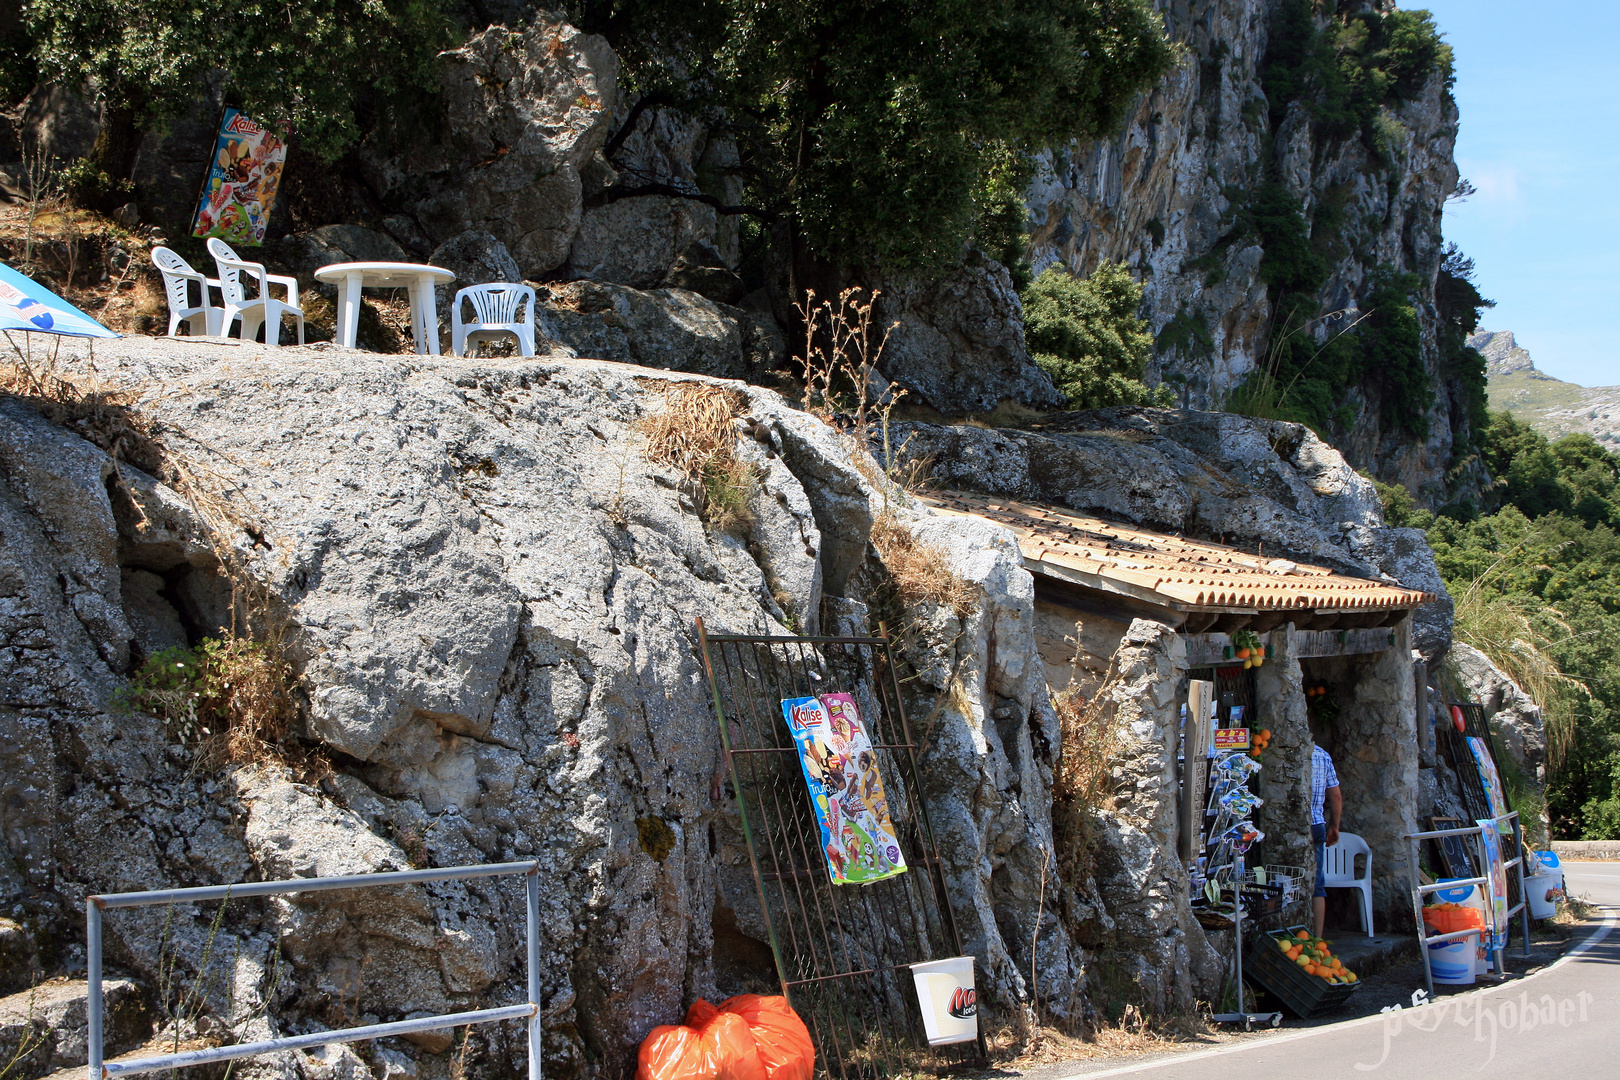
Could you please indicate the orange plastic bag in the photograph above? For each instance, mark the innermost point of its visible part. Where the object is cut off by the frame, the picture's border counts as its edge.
(748, 1038)
(785, 1049)
(728, 1049)
(669, 1052)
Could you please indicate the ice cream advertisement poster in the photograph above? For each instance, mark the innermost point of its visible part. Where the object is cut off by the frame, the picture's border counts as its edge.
(846, 792)
(243, 177)
(1496, 881)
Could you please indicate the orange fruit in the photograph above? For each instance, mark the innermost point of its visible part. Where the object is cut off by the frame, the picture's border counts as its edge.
(1265, 733)
(1302, 935)
(1243, 654)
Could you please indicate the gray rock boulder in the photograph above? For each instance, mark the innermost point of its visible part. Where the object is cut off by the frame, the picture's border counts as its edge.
(525, 111)
(489, 593)
(635, 241)
(1513, 714)
(306, 252)
(957, 342)
(1216, 476)
(664, 328)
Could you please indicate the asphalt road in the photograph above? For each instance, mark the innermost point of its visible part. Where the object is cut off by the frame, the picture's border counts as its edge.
(1558, 1024)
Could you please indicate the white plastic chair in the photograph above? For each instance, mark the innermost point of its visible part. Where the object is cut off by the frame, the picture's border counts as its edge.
(262, 309)
(202, 318)
(1339, 872)
(496, 311)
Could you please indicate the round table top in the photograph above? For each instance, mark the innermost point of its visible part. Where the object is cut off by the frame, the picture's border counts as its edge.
(384, 275)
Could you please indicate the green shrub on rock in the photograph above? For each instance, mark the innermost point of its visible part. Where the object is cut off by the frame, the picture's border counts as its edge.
(1085, 333)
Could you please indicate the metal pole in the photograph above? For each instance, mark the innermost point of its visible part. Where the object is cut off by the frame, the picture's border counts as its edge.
(533, 931)
(1524, 891)
(1417, 912)
(92, 965)
(1237, 936)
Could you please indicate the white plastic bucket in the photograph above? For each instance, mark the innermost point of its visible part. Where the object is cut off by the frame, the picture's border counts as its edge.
(1543, 892)
(1452, 962)
(949, 1004)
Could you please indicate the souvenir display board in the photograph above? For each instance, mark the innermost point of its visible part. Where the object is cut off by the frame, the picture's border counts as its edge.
(844, 932)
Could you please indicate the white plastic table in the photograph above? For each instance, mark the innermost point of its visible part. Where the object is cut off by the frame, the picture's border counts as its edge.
(419, 278)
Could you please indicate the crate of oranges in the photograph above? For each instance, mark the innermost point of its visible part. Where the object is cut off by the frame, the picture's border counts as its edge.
(1300, 971)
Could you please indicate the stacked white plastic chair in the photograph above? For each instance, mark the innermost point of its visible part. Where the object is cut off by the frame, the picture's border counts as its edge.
(178, 276)
(499, 308)
(1339, 872)
(262, 309)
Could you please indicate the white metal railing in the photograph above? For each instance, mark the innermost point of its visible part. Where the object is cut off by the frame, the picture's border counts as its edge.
(1419, 890)
(95, 905)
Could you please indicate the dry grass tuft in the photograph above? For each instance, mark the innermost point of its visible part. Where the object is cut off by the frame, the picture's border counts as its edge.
(1133, 1034)
(1083, 780)
(695, 433)
(921, 572)
(1518, 635)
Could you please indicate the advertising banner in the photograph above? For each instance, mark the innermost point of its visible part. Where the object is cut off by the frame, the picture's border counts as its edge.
(1489, 779)
(846, 793)
(240, 188)
(1496, 876)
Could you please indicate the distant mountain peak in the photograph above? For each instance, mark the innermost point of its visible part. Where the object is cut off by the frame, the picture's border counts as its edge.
(1551, 406)
(1502, 354)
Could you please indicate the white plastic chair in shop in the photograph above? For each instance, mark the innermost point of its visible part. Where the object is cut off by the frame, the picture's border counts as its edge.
(1339, 872)
(202, 317)
(497, 309)
(261, 309)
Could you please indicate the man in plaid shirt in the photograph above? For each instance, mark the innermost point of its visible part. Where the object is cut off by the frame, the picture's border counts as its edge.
(1327, 804)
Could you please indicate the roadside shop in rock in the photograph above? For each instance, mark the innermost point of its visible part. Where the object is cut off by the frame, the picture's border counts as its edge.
(1290, 654)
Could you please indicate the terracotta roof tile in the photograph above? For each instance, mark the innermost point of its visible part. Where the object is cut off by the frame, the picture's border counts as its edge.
(1170, 570)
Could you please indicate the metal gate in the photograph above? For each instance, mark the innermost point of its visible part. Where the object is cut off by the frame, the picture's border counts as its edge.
(842, 952)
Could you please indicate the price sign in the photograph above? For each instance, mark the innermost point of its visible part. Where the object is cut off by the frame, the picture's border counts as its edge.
(1232, 738)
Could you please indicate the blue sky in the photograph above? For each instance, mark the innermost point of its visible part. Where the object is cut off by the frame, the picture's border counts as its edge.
(1538, 86)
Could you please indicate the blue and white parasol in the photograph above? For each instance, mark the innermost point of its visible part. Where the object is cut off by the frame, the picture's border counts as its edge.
(28, 306)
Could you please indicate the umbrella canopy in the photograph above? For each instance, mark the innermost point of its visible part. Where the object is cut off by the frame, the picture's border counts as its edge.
(27, 305)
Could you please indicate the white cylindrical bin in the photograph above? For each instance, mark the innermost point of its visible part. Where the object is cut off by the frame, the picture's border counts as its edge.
(1452, 962)
(950, 1007)
(1543, 892)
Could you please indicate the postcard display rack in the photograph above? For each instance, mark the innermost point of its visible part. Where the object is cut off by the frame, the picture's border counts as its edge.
(1226, 890)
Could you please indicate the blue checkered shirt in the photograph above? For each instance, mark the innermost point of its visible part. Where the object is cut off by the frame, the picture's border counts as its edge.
(1323, 776)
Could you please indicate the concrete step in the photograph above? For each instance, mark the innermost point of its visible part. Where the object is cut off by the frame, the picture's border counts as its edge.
(45, 1028)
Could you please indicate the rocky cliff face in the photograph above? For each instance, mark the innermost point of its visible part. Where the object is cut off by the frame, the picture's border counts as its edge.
(488, 593)
(1169, 196)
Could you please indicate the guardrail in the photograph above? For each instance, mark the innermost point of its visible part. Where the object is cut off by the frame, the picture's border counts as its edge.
(1419, 890)
(95, 905)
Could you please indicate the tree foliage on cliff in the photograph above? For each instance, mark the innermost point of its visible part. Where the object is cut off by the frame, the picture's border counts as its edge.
(318, 67)
(889, 133)
(1085, 333)
(1344, 62)
(1546, 558)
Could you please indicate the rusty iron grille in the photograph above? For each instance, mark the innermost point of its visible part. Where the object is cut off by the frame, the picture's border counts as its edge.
(842, 951)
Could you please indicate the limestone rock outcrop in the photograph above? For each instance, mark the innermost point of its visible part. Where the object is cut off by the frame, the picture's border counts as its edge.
(1262, 484)
(489, 594)
(525, 113)
(673, 329)
(956, 342)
